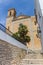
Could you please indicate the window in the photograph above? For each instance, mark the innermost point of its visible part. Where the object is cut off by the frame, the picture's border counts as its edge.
(38, 29)
(10, 13)
(38, 32)
(39, 15)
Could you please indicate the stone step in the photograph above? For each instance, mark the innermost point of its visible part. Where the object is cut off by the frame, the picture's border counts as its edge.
(31, 61)
(34, 56)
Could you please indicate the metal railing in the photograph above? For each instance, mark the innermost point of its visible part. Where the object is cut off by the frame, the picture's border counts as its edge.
(4, 29)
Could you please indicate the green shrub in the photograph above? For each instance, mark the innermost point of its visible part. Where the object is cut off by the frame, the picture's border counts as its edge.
(21, 35)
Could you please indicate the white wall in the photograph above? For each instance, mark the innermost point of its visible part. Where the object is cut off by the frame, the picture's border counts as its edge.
(41, 5)
(9, 39)
(39, 13)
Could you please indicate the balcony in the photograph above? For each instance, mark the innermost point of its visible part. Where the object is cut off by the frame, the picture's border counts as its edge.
(38, 32)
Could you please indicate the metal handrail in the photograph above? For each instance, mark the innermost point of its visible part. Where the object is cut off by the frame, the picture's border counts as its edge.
(4, 29)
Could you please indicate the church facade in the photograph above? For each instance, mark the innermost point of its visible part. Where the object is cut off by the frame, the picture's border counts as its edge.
(13, 22)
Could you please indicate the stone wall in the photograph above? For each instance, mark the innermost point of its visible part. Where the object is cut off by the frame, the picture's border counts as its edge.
(9, 54)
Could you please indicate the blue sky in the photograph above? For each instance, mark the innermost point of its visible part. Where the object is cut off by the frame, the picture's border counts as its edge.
(25, 7)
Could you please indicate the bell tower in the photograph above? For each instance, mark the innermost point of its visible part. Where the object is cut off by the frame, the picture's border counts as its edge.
(10, 17)
(11, 12)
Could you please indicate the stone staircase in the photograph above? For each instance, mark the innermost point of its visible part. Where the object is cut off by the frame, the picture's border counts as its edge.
(32, 59)
(10, 54)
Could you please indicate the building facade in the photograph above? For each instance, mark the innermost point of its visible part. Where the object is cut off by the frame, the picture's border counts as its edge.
(13, 22)
(39, 16)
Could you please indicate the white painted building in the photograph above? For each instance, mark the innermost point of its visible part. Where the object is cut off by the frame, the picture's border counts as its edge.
(39, 17)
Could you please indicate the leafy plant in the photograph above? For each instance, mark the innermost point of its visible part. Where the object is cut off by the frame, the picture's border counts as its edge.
(21, 35)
